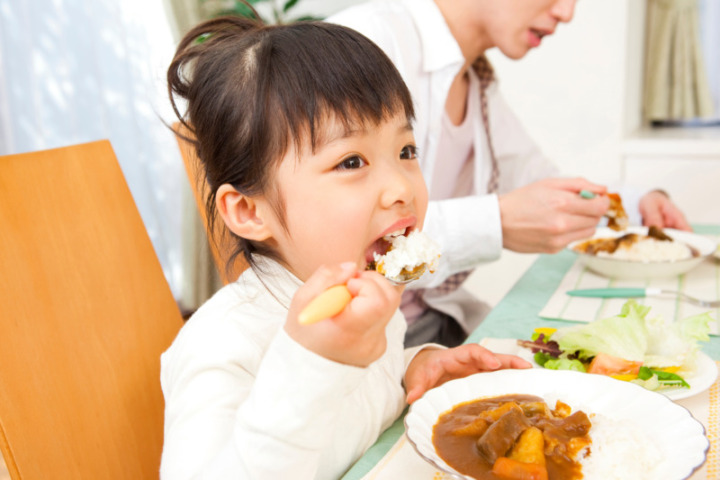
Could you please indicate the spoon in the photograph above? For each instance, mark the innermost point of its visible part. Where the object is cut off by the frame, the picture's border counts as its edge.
(333, 300)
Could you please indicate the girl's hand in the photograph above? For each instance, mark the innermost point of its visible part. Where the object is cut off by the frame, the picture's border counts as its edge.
(433, 367)
(658, 210)
(356, 336)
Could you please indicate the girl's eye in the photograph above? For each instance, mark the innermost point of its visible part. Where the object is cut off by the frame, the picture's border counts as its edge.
(351, 163)
(409, 152)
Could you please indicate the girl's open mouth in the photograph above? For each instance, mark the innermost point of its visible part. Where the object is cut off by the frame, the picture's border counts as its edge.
(381, 247)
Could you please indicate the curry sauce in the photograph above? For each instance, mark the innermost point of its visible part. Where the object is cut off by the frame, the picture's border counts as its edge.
(513, 437)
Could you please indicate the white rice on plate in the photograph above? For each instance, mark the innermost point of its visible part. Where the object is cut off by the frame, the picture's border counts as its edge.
(650, 250)
(620, 451)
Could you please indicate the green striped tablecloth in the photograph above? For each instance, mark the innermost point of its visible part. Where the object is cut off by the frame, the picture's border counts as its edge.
(515, 316)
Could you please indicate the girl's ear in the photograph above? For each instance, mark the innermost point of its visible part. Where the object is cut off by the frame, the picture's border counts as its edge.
(241, 215)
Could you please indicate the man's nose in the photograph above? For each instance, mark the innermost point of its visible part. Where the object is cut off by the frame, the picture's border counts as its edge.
(564, 10)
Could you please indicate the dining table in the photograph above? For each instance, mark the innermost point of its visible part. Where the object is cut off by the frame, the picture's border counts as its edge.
(516, 315)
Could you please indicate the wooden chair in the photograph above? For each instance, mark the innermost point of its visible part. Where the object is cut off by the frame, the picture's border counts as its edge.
(221, 243)
(85, 312)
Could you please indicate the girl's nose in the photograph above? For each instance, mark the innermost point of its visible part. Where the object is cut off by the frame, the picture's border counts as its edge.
(397, 185)
(564, 10)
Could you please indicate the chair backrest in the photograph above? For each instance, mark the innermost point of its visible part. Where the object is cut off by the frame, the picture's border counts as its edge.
(221, 243)
(85, 312)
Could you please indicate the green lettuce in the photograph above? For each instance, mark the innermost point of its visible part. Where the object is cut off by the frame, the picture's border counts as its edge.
(676, 344)
(633, 336)
(564, 364)
(623, 336)
(658, 379)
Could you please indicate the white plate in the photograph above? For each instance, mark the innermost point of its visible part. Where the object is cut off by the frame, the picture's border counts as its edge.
(702, 378)
(680, 438)
(618, 268)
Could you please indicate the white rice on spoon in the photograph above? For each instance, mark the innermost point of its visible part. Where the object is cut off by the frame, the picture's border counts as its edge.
(408, 256)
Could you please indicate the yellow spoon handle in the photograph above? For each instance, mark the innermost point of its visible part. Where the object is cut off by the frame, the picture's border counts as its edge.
(328, 304)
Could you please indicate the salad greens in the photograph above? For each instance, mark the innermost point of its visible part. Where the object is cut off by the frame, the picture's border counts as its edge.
(629, 346)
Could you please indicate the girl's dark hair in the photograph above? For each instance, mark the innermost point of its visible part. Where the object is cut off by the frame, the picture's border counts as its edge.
(252, 91)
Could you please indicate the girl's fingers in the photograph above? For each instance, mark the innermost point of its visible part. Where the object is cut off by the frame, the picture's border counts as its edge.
(512, 361)
(324, 294)
(324, 278)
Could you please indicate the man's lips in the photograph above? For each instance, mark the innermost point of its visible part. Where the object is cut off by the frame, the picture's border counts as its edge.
(536, 35)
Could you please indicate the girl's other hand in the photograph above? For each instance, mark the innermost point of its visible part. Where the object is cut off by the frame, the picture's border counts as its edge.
(355, 336)
(433, 367)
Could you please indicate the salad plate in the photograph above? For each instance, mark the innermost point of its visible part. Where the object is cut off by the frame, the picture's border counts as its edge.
(636, 269)
(700, 380)
(679, 439)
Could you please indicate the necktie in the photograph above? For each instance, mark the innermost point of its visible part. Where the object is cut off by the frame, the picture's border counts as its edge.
(486, 75)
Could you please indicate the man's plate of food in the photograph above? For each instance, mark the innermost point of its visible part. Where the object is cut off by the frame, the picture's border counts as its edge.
(555, 424)
(642, 252)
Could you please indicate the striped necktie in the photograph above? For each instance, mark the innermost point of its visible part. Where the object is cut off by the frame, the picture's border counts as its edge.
(486, 75)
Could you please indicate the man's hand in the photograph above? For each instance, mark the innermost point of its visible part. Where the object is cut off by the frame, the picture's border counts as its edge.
(658, 210)
(545, 216)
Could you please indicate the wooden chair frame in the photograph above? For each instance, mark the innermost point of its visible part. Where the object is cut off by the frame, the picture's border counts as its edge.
(85, 312)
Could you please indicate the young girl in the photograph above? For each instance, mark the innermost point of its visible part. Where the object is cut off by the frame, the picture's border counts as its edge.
(304, 132)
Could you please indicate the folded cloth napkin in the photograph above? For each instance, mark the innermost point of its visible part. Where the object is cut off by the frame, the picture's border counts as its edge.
(403, 462)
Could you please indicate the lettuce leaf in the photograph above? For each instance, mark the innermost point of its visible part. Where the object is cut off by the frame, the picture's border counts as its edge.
(564, 364)
(632, 336)
(624, 335)
(675, 344)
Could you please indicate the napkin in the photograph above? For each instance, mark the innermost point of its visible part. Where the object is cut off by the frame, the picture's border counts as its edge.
(403, 462)
(702, 282)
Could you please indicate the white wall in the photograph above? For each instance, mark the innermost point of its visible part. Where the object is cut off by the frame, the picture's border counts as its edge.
(571, 91)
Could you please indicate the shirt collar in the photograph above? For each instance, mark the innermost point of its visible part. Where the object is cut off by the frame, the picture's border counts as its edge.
(440, 49)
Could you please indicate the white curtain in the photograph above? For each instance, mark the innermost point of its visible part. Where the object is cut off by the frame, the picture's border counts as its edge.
(73, 71)
(710, 40)
(676, 86)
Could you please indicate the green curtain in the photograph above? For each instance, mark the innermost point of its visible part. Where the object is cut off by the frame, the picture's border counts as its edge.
(676, 84)
(184, 14)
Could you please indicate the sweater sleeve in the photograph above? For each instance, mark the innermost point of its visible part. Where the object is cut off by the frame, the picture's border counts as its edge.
(224, 422)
